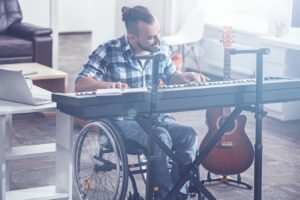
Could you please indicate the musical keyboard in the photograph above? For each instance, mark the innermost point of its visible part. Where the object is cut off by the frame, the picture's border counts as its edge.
(176, 98)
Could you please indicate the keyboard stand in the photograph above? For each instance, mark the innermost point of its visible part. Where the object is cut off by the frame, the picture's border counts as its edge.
(189, 171)
(227, 180)
(191, 168)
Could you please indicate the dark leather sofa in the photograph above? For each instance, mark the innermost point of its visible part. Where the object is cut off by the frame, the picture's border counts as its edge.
(22, 42)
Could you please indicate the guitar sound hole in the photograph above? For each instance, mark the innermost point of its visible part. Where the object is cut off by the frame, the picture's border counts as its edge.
(232, 126)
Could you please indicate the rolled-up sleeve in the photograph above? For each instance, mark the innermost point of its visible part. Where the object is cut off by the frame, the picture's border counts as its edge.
(96, 65)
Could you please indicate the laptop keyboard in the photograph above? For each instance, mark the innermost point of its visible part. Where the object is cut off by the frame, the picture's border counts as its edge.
(40, 100)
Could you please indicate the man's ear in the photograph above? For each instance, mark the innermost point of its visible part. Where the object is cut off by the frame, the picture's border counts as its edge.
(132, 37)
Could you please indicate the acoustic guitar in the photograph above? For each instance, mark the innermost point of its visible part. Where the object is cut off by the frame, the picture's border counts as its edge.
(234, 152)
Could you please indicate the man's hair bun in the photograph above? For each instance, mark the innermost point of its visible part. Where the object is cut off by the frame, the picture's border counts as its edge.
(131, 16)
(125, 13)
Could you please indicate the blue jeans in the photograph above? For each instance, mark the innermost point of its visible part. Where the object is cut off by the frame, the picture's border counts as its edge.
(180, 138)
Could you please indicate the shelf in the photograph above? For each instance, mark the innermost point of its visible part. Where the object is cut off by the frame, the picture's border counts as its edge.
(30, 151)
(63, 156)
(282, 42)
(38, 193)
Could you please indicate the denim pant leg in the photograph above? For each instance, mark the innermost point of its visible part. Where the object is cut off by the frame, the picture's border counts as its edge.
(131, 130)
(162, 177)
(184, 139)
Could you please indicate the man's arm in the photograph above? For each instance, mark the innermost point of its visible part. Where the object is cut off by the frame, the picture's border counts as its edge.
(90, 84)
(187, 77)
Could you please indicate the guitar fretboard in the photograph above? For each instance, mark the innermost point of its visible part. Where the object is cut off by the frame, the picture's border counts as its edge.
(227, 42)
(227, 65)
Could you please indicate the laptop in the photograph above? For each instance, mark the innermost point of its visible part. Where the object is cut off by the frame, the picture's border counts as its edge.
(14, 87)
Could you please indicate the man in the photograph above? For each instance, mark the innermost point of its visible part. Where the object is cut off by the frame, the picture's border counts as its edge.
(114, 65)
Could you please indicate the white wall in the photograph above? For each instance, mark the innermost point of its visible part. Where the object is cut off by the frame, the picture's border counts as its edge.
(103, 18)
(75, 15)
(181, 8)
(72, 15)
(36, 12)
(104, 21)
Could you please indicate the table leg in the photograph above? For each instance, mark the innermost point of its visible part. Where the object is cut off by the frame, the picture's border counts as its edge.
(64, 146)
(2, 156)
(8, 143)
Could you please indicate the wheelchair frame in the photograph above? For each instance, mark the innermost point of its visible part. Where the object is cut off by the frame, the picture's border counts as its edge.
(152, 139)
(97, 142)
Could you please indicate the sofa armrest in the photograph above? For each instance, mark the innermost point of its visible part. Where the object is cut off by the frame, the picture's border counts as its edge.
(42, 47)
(28, 31)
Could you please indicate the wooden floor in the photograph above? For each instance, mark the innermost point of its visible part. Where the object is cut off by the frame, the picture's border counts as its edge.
(281, 148)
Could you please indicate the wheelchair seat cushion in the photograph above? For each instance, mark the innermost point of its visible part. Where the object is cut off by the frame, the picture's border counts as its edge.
(134, 148)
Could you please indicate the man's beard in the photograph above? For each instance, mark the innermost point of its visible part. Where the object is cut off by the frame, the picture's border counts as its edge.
(150, 49)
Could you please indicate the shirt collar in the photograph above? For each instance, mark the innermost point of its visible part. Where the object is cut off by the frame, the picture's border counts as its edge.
(126, 46)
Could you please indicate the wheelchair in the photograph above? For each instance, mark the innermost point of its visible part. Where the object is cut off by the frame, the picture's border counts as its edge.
(101, 167)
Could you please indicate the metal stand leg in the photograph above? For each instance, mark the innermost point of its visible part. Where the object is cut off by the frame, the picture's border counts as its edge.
(151, 128)
(259, 113)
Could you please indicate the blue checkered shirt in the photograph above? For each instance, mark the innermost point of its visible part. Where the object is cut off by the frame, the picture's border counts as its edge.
(114, 61)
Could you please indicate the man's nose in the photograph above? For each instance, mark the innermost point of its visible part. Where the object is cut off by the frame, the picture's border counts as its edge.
(156, 40)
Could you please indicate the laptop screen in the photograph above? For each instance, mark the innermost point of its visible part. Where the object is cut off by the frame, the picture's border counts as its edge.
(14, 87)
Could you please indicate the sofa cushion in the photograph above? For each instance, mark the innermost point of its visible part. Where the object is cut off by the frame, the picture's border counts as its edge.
(10, 13)
(14, 47)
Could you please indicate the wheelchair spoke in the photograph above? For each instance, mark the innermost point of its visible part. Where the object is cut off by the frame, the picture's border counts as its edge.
(99, 164)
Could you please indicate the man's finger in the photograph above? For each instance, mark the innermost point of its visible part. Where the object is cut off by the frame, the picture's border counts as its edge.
(112, 85)
(124, 86)
(119, 85)
(203, 78)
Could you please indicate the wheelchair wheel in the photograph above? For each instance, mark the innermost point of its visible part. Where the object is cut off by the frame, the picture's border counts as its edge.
(100, 163)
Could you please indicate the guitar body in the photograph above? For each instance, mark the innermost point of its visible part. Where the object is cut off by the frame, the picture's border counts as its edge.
(234, 153)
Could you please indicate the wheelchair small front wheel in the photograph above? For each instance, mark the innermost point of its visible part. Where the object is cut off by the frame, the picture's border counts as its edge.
(142, 160)
(100, 163)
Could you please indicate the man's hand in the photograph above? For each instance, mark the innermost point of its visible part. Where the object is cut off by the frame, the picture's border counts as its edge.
(118, 85)
(90, 84)
(193, 77)
(187, 77)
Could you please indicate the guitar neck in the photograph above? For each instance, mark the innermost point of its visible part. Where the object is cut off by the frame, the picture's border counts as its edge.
(227, 42)
(227, 65)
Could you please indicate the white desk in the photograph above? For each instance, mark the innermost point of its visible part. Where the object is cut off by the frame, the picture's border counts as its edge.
(284, 60)
(282, 42)
(62, 149)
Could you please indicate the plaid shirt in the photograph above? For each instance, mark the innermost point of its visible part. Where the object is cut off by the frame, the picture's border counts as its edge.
(114, 61)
